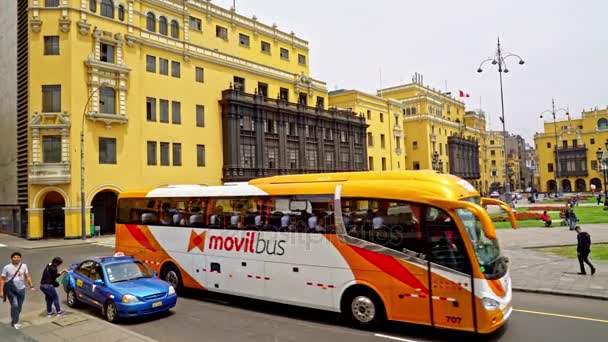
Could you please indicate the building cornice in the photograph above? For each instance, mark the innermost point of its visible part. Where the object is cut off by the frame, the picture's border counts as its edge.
(429, 92)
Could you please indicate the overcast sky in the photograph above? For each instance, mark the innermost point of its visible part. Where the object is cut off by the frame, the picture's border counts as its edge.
(564, 44)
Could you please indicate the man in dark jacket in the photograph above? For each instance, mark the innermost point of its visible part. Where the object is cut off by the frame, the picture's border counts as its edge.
(583, 249)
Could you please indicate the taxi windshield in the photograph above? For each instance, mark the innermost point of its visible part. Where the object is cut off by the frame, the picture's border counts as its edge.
(125, 271)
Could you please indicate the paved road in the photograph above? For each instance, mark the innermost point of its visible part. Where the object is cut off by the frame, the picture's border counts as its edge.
(199, 317)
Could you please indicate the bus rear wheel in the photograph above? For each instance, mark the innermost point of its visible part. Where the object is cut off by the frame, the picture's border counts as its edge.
(171, 274)
(364, 309)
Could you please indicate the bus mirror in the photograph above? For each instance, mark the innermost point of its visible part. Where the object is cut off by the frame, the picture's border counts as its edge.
(504, 206)
(295, 205)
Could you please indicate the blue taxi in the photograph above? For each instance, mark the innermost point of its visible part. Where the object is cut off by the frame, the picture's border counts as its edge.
(121, 286)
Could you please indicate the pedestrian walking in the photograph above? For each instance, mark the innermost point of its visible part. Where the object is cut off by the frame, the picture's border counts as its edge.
(48, 283)
(599, 198)
(12, 286)
(583, 249)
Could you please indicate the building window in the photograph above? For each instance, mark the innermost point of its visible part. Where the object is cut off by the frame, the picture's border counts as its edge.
(243, 40)
(284, 94)
(292, 129)
(200, 155)
(151, 152)
(150, 63)
(370, 139)
(284, 53)
(51, 3)
(200, 75)
(548, 145)
(151, 109)
(564, 143)
(51, 45)
(176, 112)
(107, 151)
(383, 164)
(175, 72)
(301, 59)
(329, 160)
(195, 24)
(51, 149)
(344, 161)
(369, 114)
(594, 164)
(151, 22)
(200, 116)
(162, 26)
(163, 110)
(107, 9)
(493, 162)
(271, 157)
(328, 133)
(415, 145)
(121, 12)
(320, 102)
(303, 99)
(343, 137)
(263, 89)
(491, 142)
(574, 143)
(493, 153)
(247, 156)
(239, 83)
(107, 100)
(174, 29)
(370, 163)
(592, 142)
(177, 154)
(416, 165)
(381, 117)
(107, 53)
(398, 143)
(221, 32)
(550, 167)
(93, 5)
(51, 98)
(163, 66)
(382, 141)
(270, 126)
(164, 154)
(293, 158)
(265, 47)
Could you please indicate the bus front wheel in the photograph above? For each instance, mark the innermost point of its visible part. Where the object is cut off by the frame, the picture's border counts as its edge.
(170, 274)
(363, 308)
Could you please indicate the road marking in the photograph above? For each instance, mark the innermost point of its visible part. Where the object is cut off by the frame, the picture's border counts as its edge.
(562, 316)
(2, 245)
(394, 338)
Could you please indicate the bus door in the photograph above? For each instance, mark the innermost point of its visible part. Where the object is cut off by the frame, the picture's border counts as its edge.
(450, 276)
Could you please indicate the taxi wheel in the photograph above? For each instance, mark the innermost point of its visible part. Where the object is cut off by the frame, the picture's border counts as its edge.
(110, 312)
(72, 299)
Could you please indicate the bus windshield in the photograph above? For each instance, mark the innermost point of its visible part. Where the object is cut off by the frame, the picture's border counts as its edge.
(487, 250)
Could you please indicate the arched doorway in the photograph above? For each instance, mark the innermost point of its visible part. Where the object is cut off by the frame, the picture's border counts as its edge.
(551, 186)
(597, 183)
(566, 185)
(104, 211)
(53, 217)
(581, 185)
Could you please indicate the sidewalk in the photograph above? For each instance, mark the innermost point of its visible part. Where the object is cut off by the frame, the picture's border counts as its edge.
(534, 271)
(21, 243)
(70, 327)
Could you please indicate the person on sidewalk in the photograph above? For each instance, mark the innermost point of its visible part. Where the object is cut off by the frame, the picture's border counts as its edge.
(583, 249)
(546, 218)
(599, 198)
(12, 286)
(48, 283)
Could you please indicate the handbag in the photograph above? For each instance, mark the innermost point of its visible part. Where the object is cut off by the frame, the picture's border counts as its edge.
(55, 283)
(9, 287)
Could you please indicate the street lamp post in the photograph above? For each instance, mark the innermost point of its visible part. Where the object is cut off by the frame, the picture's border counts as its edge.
(500, 59)
(553, 112)
(602, 157)
(83, 220)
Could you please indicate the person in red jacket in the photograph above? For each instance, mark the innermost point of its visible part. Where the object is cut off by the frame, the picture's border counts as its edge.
(583, 249)
(546, 218)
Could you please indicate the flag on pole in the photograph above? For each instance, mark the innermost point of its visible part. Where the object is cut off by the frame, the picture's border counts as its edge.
(463, 94)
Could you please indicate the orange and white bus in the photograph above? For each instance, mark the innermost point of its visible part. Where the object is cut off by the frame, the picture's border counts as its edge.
(413, 246)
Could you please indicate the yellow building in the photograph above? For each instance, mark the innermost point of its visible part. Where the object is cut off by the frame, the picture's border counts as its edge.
(149, 76)
(409, 127)
(577, 141)
(496, 159)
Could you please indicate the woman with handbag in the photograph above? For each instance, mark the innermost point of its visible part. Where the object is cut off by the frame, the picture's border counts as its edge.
(48, 283)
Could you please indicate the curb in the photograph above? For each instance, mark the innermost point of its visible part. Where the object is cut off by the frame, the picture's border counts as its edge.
(88, 242)
(559, 293)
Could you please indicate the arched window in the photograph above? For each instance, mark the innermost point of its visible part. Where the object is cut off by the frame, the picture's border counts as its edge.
(602, 124)
(107, 9)
(121, 12)
(162, 25)
(174, 29)
(107, 100)
(151, 22)
(93, 5)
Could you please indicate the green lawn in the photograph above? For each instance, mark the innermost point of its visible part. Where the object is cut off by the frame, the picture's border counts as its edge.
(586, 215)
(598, 251)
(591, 199)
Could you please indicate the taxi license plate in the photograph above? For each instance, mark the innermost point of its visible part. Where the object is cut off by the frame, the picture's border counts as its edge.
(157, 304)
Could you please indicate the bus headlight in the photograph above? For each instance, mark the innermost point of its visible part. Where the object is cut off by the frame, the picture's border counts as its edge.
(171, 290)
(129, 299)
(490, 304)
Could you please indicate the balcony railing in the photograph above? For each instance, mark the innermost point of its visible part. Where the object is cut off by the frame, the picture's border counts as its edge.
(50, 173)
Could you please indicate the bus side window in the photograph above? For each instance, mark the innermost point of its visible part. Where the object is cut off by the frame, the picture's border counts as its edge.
(447, 247)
